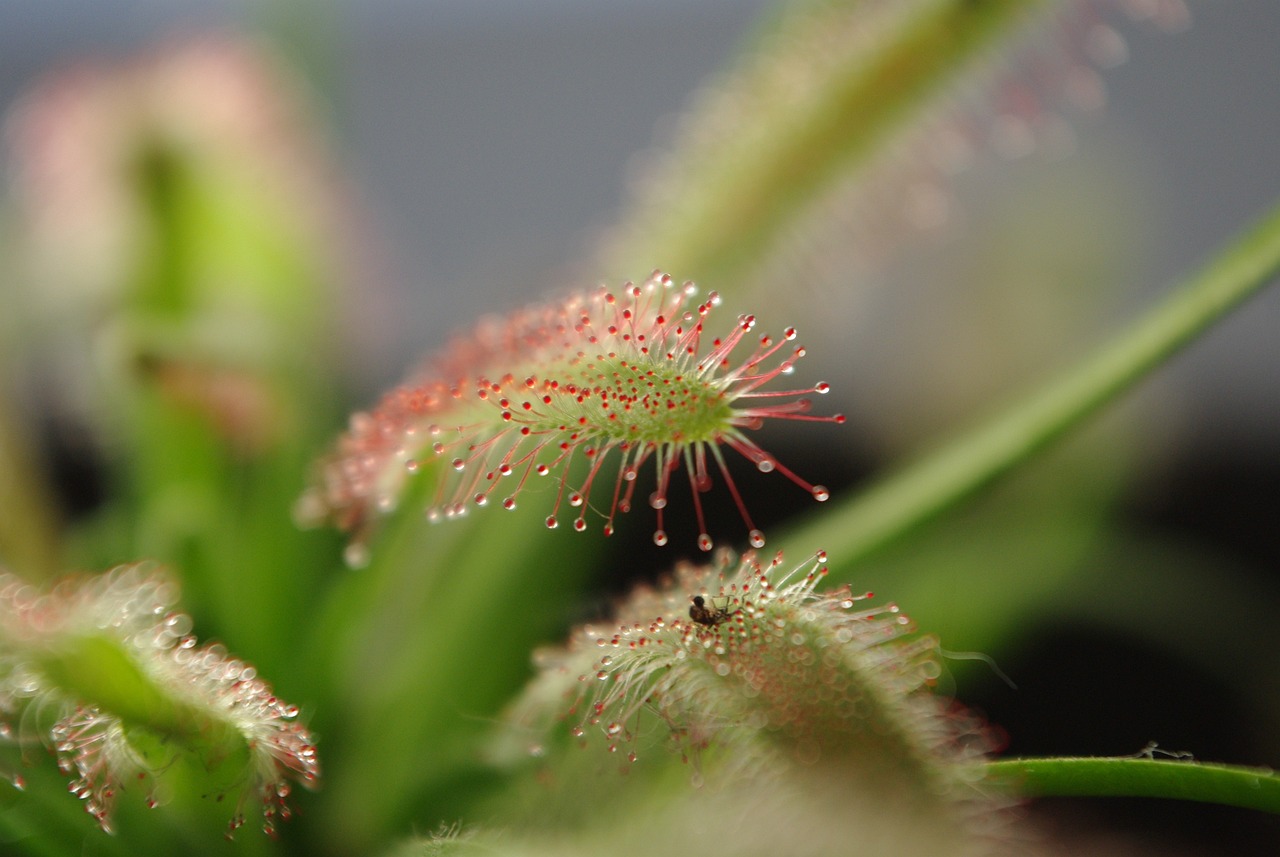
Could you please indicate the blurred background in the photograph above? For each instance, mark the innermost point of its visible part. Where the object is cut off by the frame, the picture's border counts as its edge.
(489, 144)
(482, 150)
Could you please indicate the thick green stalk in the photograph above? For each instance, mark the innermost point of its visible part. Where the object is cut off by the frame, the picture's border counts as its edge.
(28, 528)
(1232, 785)
(424, 646)
(855, 528)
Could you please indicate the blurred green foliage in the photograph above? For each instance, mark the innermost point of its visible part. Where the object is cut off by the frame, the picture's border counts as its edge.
(194, 343)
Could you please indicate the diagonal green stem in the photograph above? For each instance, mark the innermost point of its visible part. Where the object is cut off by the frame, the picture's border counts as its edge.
(858, 527)
(1232, 785)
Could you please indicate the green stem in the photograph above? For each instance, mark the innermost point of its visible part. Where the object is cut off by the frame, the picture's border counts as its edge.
(28, 527)
(855, 528)
(427, 642)
(1231, 785)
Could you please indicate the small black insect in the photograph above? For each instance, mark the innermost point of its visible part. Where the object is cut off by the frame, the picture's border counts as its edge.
(710, 616)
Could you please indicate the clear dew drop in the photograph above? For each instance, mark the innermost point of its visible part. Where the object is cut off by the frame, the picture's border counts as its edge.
(765, 465)
(704, 542)
(178, 624)
(580, 524)
(657, 501)
(356, 555)
(552, 523)
(575, 499)
(659, 537)
(509, 504)
(411, 466)
(821, 494)
(756, 538)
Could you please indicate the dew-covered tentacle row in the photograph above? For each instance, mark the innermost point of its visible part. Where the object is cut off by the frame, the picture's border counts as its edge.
(208, 706)
(744, 648)
(752, 671)
(615, 379)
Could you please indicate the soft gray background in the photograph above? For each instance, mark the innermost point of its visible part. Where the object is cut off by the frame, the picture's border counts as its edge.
(490, 140)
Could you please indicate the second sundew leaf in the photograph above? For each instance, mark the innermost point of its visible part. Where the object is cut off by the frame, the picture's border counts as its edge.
(749, 675)
(832, 88)
(611, 381)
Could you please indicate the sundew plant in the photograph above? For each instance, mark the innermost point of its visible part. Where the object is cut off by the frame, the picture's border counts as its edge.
(599, 574)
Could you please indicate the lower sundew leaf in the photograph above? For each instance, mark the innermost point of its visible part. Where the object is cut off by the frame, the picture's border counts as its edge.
(530, 396)
(103, 671)
(96, 666)
(744, 670)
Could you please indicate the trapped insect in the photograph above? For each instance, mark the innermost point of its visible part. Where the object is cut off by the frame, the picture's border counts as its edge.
(710, 616)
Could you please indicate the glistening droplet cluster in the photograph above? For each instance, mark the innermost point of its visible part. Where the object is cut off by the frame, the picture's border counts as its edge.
(204, 691)
(553, 392)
